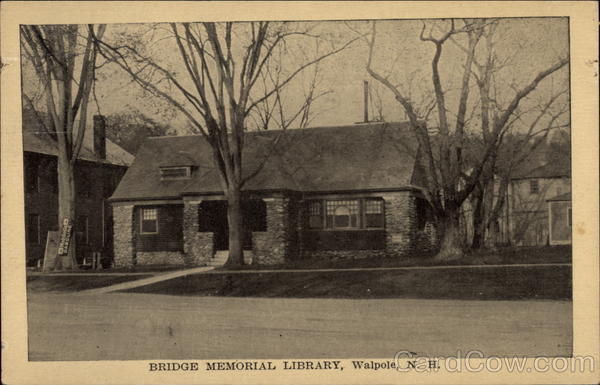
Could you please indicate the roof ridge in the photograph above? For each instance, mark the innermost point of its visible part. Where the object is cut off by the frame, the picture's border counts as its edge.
(353, 125)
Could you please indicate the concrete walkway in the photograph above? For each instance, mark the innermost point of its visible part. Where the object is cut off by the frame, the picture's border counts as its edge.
(147, 281)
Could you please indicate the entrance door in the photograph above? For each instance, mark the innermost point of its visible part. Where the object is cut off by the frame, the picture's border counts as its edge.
(254, 217)
(213, 218)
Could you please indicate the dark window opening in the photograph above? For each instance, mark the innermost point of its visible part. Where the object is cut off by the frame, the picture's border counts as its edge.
(569, 217)
(32, 177)
(175, 172)
(424, 213)
(534, 186)
(374, 213)
(82, 230)
(83, 185)
(33, 229)
(346, 214)
(149, 220)
(53, 178)
(254, 215)
(315, 215)
(53, 224)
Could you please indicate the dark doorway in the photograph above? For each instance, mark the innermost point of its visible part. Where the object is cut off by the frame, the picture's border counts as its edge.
(213, 218)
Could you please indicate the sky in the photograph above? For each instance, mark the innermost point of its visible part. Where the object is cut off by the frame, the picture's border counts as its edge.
(530, 44)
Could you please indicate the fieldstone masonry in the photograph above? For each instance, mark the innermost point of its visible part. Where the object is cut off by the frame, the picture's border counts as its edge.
(197, 246)
(274, 246)
(400, 223)
(160, 258)
(124, 248)
(281, 241)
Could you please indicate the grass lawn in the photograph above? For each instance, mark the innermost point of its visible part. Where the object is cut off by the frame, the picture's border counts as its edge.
(506, 283)
(508, 255)
(150, 269)
(65, 283)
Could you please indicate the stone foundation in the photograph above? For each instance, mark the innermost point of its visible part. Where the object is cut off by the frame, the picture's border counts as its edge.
(197, 246)
(124, 245)
(345, 254)
(160, 258)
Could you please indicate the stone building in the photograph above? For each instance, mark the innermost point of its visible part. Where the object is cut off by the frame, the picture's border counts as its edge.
(98, 170)
(342, 192)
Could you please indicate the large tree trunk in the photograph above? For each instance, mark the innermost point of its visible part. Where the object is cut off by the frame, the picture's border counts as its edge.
(234, 220)
(66, 210)
(451, 243)
(478, 220)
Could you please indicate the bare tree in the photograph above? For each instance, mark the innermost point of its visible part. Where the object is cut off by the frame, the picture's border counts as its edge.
(129, 129)
(522, 138)
(218, 88)
(451, 177)
(64, 61)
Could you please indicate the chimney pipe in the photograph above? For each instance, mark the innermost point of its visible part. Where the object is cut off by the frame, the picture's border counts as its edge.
(366, 101)
(100, 136)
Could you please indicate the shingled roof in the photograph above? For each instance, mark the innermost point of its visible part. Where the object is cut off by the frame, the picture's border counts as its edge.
(376, 156)
(36, 139)
(560, 168)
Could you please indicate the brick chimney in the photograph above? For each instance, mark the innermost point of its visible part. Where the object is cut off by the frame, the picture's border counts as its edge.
(100, 136)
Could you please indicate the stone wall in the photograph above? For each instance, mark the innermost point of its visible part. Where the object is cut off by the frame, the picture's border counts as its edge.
(400, 223)
(427, 239)
(160, 258)
(274, 246)
(124, 245)
(197, 246)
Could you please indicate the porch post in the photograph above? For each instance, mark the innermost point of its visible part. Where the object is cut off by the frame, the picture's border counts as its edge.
(197, 246)
(273, 246)
(400, 223)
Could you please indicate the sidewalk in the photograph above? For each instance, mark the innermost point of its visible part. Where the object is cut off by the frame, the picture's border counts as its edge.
(146, 281)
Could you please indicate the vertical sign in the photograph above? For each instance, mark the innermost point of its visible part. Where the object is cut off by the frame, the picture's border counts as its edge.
(65, 237)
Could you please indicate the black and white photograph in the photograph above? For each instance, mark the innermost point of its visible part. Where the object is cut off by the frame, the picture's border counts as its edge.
(290, 195)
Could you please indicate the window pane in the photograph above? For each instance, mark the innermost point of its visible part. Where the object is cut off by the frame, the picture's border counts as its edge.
(315, 220)
(174, 173)
(149, 226)
(374, 213)
(342, 214)
(148, 214)
(374, 206)
(149, 220)
(534, 186)
(374, 220)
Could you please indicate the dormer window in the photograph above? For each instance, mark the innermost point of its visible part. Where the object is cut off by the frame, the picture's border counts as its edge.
(171, 173)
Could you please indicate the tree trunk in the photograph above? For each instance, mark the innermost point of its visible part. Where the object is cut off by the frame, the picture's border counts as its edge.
(66, 210)
(234, 221)
(450, 244)
(478, 221)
